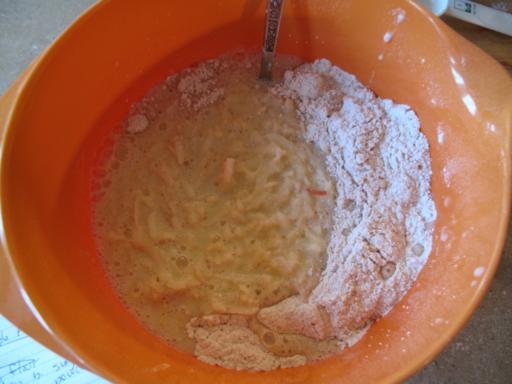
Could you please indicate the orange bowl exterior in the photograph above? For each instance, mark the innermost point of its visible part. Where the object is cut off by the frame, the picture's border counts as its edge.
(54, 116)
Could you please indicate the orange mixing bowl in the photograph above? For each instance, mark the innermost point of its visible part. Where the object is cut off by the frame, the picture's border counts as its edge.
(52, 285)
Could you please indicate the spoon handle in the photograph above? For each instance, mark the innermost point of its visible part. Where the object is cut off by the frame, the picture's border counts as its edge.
(273, 20)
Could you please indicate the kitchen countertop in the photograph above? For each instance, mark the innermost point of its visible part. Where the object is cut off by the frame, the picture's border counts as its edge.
(481, 353)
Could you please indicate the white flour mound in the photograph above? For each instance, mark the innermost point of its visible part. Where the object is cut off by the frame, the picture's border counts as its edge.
(384, 214)
(382, 222)
(226, 340)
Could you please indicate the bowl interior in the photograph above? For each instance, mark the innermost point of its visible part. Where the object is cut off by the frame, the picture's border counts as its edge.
(84, 86)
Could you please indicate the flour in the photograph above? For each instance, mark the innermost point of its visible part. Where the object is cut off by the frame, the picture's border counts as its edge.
(198, 86)
(382, 221)
(227, 340)
(137, 123)
(194, 89)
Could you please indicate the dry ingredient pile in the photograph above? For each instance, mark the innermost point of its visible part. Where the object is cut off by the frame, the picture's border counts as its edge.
(264, 226)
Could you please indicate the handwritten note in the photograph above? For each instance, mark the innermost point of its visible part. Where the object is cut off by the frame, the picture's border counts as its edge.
(25, 361)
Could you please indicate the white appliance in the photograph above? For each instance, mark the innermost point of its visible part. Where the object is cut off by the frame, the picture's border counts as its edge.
(494, 17)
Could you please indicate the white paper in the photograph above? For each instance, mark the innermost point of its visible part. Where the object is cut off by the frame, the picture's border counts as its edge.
(25, 361)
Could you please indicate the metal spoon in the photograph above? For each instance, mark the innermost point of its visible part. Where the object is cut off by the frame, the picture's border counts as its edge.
(272, 22)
